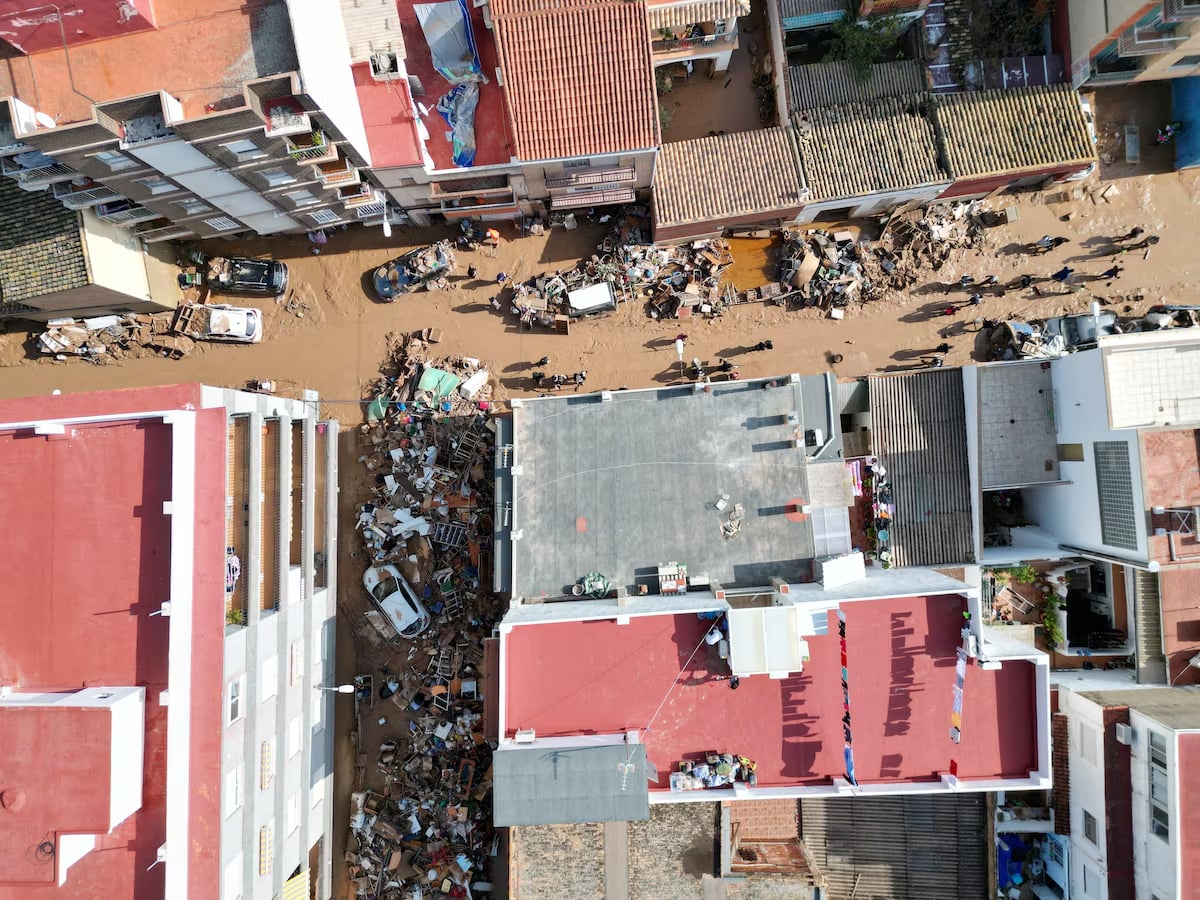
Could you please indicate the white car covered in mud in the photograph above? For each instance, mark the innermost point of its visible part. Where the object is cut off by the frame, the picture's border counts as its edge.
(396, 600)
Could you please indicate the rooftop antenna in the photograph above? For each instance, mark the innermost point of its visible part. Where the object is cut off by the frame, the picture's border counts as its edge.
(626, 769)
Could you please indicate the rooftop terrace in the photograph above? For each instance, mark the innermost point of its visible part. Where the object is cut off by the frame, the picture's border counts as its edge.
(601, 677)
(201, 52)
(621, 486)
(95, 569)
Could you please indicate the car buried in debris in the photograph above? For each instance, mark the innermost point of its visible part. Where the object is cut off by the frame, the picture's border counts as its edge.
(395, 599)
(423, 267)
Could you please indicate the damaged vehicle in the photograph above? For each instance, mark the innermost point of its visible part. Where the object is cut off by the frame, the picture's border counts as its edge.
(396, 600)
(242, 275)
(220, 322)
(423, 267)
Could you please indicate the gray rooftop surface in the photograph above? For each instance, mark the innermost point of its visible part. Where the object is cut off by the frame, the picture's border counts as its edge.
(621, 487)
(565, 785)
(1173, 707)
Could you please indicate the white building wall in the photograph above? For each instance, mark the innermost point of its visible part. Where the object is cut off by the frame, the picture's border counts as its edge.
(1154, 870)
(323, 52)
(1086, 742)
(1071, 512)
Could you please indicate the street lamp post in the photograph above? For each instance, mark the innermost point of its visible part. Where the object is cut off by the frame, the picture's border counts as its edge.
(339, 689)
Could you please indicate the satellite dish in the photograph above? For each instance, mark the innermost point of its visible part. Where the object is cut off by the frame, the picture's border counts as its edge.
(44, 120)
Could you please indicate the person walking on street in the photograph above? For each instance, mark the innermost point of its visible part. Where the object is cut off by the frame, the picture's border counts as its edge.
(1136, 232)
(501, 278)
(942, 348)
(558, 381)
(538, 378)
(764, 345)
(472, 270)
(966, 281)
(1144, 243)
(580, 378)
(544, 361)
(934, 362)
(1110, 273)
(1063, 275)
(990, 281)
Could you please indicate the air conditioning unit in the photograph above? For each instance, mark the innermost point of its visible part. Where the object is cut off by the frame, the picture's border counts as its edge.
(385, 66)
(1125, 734)
(526, 736)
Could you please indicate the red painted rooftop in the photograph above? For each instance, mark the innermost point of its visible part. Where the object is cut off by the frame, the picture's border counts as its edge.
(1189, 813)
(492, 142)
(86, 559)
(600, 677)
(1172, 467)
(198, 51)
(389, 119)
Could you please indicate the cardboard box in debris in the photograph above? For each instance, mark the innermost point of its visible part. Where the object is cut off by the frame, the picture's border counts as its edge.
(427, 442)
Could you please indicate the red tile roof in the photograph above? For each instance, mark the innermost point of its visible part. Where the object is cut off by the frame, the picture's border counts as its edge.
(578, 77)
(94, 568)
(601, 677)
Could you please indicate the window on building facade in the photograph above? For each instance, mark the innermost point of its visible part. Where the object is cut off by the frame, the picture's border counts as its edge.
(192, 206)
(276, 177)
(156, 184)
(233, 791)
(115, 160)
(325, 216)
(245, 150)
(1089, 827)
(233, 700)
(1160, 819)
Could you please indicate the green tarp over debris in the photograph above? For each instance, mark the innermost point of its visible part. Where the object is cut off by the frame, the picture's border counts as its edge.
(438, 382)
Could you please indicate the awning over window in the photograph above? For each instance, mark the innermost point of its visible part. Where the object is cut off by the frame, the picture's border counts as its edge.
(691, 12)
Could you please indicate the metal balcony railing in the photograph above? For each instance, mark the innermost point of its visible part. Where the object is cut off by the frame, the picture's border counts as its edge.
(1148, 41)
(314, 147)
(38, 179)
(164, 233)
(727, 41)
(370, 211)
(126, 214)
(90, 197)
(585, 177)
(1181, 10)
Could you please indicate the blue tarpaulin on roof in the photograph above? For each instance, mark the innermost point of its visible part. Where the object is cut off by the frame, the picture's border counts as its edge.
(447, 30)
(1185, 108)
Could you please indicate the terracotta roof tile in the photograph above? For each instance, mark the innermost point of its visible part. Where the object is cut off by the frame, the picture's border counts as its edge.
(675, 13)
(712, 178)
(834, 83)
(1003, 131)
(859, 149)
(577, 76)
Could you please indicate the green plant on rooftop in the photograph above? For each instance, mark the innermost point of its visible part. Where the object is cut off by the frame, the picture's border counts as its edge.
(1050, 627)
(1016, 574)
(863, 43)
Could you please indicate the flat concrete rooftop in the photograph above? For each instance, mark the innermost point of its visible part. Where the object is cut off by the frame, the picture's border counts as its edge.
(621, 486)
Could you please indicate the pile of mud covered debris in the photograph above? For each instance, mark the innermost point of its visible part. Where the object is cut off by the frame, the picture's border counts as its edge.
(104, 339)
(831, 269)
(672, 278)
(421, 812)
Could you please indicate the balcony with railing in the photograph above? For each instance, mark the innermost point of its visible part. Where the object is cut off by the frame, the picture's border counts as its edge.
(1181, 10)
(313, 147)
(338, 173)
(1149, 40)
(354, 196)
(370, 211)
(698, 39)
(163, 230)
(85, 196)
(586, 177)
(285, 116)
(125, 212)
(40, 178)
